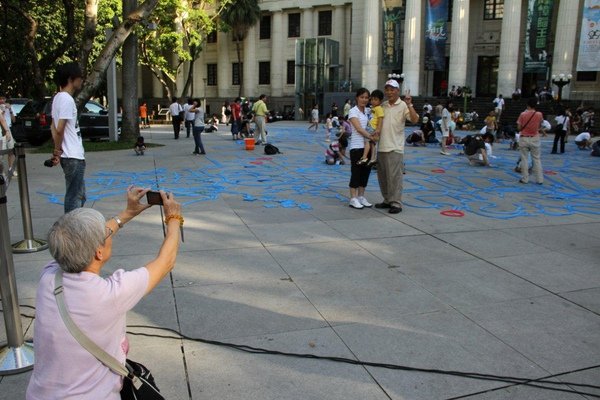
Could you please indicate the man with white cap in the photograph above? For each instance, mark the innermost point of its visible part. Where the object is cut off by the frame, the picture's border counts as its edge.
(391, 146)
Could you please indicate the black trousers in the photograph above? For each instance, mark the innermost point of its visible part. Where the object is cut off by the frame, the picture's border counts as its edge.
(559, 136)
(176, 126)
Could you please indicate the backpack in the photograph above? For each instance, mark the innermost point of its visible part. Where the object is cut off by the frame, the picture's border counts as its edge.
(270, 149)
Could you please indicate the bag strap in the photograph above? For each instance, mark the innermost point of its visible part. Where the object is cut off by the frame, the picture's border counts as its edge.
(81, 338)
(529, 120)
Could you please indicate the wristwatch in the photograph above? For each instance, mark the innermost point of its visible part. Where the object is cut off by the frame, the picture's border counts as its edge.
(118, 221)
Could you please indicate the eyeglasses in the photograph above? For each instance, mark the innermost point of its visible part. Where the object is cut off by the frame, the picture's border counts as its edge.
(110, 232)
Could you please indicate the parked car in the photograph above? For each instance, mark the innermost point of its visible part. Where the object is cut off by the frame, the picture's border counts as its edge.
(17, 104)
(33, 122)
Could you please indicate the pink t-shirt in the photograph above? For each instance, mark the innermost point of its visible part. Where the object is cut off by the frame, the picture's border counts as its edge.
(63, 369)
(530, 121)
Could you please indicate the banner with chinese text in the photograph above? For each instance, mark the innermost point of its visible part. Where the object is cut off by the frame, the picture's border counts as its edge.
(589, 41)
(436, 34)
(539, 21)
(393, 14)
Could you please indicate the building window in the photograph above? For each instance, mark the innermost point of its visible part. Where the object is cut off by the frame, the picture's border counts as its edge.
(264, 73)
(325, 23)
(235, 74)
(265, 27)
(294, 25)
(493, 9)
(211, 37)
(211, 74)
(587, 76)
(291, 72)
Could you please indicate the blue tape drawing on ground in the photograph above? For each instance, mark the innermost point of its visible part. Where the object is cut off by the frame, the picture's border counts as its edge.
(571, 184)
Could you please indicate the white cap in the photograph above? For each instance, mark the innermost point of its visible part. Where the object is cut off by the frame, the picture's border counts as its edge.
(393, 83)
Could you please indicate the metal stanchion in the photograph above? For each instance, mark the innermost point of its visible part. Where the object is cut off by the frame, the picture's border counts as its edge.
(29, 244)
(17, 356)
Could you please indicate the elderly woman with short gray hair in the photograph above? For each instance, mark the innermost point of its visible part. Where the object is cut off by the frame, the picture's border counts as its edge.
(81, 243)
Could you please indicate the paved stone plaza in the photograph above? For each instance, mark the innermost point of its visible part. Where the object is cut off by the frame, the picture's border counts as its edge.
(478, 274)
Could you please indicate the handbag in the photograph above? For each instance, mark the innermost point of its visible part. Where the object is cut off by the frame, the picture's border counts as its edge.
(138, 382)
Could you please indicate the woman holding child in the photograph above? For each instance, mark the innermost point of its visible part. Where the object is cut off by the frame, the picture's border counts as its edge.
(359, 174)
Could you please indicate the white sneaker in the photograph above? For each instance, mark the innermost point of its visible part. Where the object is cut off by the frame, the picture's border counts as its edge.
(364, 201)
(445, 153)
(355, 203)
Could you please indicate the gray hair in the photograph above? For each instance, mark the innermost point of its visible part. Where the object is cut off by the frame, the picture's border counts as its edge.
(74, 238)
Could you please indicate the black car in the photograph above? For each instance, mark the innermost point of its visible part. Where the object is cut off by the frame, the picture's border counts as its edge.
(33, 122)
(17, 104)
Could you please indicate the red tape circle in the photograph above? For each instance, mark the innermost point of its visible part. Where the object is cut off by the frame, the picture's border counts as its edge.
(453, 213)
(438, 171)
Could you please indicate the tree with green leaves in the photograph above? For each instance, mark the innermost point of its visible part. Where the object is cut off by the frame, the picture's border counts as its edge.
(238, 17)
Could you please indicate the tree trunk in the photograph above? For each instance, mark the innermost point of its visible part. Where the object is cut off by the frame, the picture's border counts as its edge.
(98, 71)
(89, 33)
(130, 128)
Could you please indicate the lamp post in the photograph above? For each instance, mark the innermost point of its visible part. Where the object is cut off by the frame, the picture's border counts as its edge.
(561, 80)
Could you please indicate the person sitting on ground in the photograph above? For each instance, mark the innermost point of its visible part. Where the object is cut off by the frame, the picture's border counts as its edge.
(428, 130)
(212, 125)
(333, 155)
(81, 243)
(584, 141)
(374, 129)
(246, 129)
(545, 127)
(140, 146)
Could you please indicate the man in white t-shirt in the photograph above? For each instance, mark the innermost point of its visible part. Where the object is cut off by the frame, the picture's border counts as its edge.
(498, 106)
(175, 109)
(446, 126)
(68, 146)
(189, 116)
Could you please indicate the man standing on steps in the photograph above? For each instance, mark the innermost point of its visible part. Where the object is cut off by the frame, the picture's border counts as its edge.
(68, 147)
(498, 106)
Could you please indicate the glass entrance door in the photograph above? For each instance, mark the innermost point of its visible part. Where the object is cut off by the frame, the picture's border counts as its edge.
(487, 76)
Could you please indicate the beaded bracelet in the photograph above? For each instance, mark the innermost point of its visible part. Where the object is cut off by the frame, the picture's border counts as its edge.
(174, 216)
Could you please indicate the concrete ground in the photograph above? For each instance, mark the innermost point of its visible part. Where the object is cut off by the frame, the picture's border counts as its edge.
(478, 274)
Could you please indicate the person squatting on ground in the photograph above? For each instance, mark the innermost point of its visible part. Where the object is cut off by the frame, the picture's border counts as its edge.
(560, 132)
(198, 127)
(390, 159)
(374, 128)
(528, 124)
(359, 173)
(583, 141)
(260, 111)
(140, 146)
(478, 148)
(176, 119)
(333, 155)
(68, 146)
(81, 244)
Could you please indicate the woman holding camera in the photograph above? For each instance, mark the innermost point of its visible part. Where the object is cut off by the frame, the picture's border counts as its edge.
(81, 244)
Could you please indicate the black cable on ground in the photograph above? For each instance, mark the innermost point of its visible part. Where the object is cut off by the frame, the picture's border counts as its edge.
(515, 381)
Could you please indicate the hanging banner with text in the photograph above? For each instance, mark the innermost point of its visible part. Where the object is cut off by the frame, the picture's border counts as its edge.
(436, 35)
(393, 14)
(539, 21)
(589, 42)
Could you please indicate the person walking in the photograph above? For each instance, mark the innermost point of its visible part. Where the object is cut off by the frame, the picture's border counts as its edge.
(189, 117)
(390, 154)
(68, 147)
(314, 118)
(498, 106)
(198, 112)
(260, 111)
(528, 125)
(176, 110)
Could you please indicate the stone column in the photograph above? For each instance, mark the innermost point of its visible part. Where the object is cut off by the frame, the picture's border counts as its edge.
(277, 38)
(339, 25)
(223, 64)
(250, 64)
(509, 48)
(371, 44)
(306, 23)
(565, 40)
(459, 45)
(413, 35)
